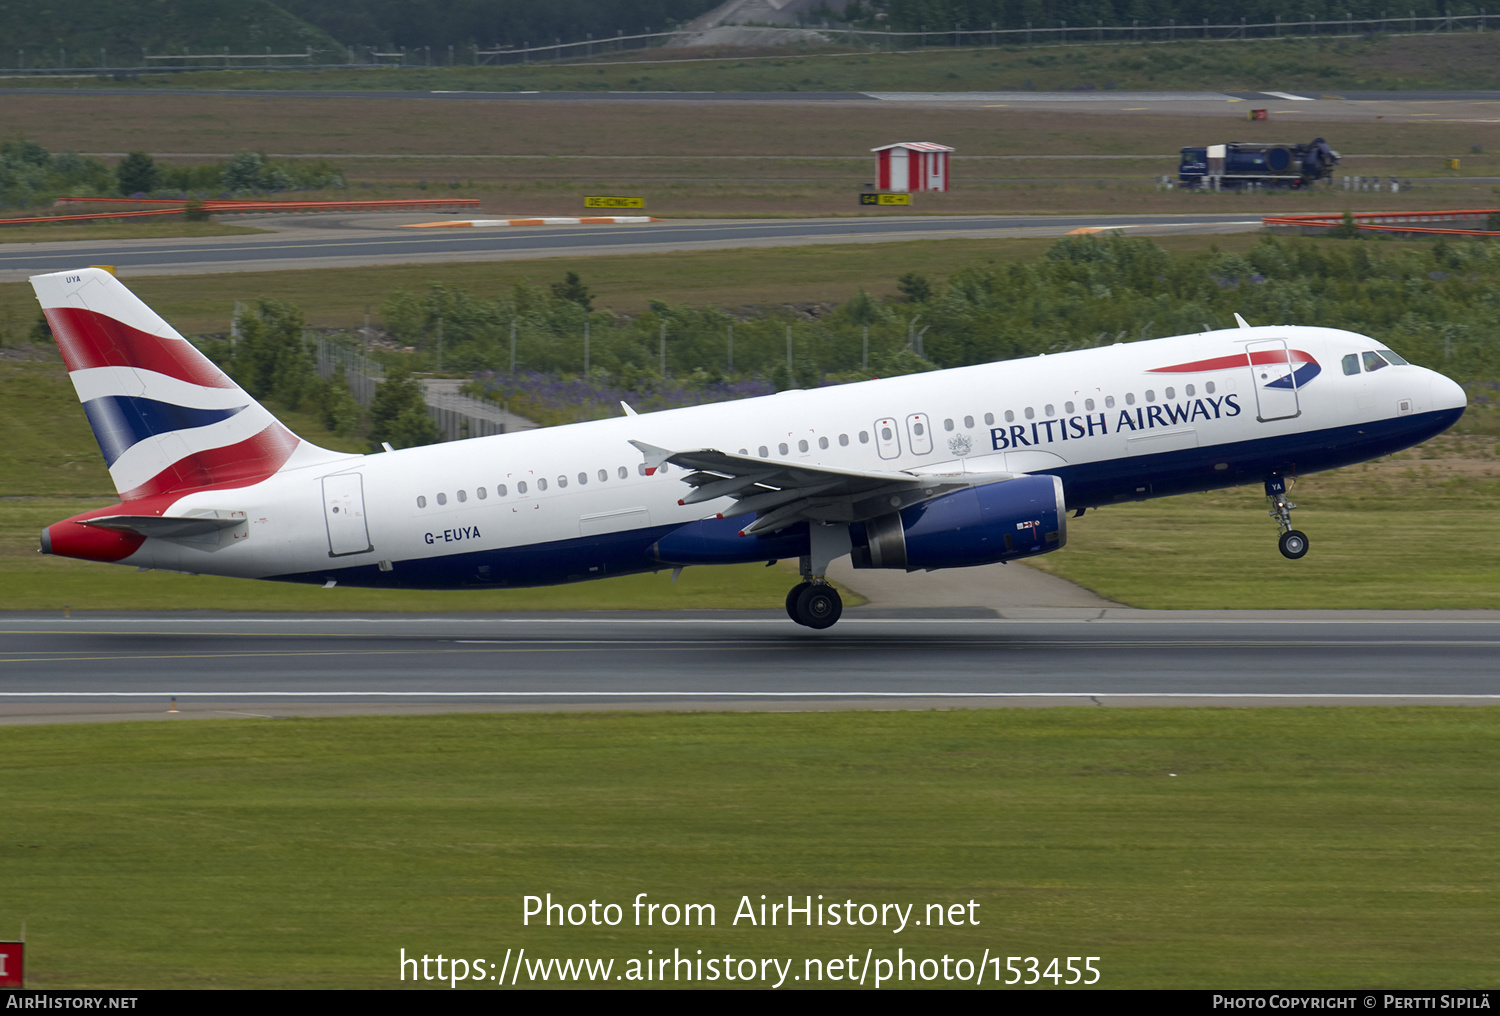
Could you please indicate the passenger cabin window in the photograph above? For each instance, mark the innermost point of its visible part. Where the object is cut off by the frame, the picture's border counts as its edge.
(823, 442)
(864, 437)
(802, 445)
(1209, 387)
(1373, 361)
(481, 492)
(1068, 408)
(541, 483)
(624, 473)
(1171, 393)
(782, 449)
(1130, 398)
(462, 496)
(969, 422)
(1010, 416)
(562, 481)
(1030, 413)
(1088, 405)
(1191, 391)
(1049, 410)
(843, 440)
(583, 478)
(603, 475)
(947, 424)
(1109, 402)
(1150, 395)
(501, 491)
(764, 453)
(989, 419)
(521, 487)
(442, 499)
(641, 469)
(421, 501)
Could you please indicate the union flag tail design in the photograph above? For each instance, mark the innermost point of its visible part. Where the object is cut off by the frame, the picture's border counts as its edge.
(167, 420)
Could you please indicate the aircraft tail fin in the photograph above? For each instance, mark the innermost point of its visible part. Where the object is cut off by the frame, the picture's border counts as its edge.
(165, 417)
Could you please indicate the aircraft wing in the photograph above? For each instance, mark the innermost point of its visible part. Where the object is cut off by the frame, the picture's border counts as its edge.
(784, 493)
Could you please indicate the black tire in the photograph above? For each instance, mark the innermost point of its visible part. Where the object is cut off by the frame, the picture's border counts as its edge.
(1293, 544)
(791, 600)
(819, 606)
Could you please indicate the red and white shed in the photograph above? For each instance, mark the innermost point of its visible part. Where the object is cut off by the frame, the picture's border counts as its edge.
(912, 166)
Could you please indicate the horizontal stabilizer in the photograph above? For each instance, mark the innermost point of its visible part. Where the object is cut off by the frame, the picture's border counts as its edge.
(169, 528)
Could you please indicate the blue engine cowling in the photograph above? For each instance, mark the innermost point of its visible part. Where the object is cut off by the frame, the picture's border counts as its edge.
(994, 522)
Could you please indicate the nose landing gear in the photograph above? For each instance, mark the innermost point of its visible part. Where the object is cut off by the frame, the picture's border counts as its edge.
(1293, 542)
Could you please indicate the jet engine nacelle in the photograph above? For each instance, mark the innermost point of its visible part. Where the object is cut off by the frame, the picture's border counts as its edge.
(993, 522)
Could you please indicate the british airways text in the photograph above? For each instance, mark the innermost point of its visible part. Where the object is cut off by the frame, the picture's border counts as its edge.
(1075, 428)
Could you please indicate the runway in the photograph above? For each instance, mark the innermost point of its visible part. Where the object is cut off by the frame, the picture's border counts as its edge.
(374, 240)
(132, 666)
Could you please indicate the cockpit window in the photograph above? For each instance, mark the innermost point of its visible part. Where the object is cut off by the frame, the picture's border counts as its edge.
(1393, 358)
(1373, 360)
(1351, 364)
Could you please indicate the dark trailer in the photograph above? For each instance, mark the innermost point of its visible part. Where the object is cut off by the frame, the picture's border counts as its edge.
(1256, 164)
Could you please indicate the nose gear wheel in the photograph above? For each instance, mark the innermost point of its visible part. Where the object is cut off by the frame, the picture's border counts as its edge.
(1293, 542)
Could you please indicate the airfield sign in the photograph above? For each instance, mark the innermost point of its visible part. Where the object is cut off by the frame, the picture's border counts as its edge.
(613, 202)
(884, 199)
(12, 968)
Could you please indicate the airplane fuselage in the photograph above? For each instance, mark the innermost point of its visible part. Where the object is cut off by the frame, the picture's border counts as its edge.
(1120, 423)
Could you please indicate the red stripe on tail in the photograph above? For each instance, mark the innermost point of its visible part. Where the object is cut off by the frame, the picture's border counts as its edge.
(236, 465)
(90, 339)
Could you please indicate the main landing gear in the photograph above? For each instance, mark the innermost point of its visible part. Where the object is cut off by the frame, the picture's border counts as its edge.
(814, 604)
(1293, 542)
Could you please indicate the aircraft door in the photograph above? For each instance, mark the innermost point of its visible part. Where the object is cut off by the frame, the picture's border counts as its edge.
(918, 434)
(1275, 380)
(344, 514)
(887, 441)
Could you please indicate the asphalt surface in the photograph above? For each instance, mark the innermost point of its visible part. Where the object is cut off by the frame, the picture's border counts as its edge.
(382, 240)
(131, 666)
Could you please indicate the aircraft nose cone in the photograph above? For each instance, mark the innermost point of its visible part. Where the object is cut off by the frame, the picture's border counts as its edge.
(1447, 393)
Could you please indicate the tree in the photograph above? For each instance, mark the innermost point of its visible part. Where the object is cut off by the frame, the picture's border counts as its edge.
(573, 290)
(399, 413)
(243, 172)
(341, 414)
(914, 287)
(1346, 229)
(270, 360)
(137, 174)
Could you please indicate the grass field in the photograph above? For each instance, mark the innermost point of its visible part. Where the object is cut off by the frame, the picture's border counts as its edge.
(1185, 848)
(732, 279)
(754, 159)
(1439, 61)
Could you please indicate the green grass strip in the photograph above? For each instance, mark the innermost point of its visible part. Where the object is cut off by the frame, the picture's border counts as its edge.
(1187, 848)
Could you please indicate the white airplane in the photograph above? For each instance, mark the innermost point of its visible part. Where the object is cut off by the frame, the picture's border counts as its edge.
(947, 469)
